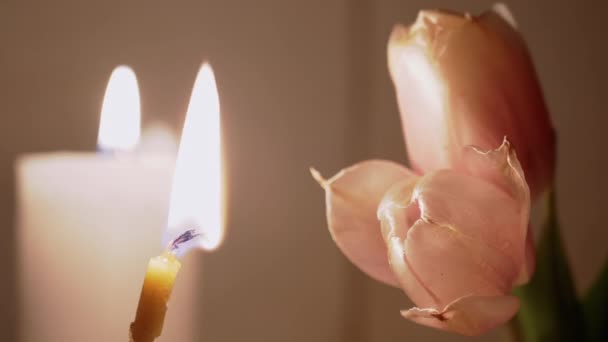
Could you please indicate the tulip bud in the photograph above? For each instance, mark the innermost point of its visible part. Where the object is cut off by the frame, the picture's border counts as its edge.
(462, 80)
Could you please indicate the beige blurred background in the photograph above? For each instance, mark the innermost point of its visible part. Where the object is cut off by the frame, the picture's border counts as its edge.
(301, 83)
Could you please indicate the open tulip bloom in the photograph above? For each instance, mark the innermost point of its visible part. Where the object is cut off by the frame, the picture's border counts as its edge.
(453, 231)
(454, 240)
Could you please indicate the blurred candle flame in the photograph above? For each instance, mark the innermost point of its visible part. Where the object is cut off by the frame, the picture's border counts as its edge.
(196, 213)
(119, 125)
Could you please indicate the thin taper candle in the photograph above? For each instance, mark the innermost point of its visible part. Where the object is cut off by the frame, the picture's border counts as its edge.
(195, 212)
(156, 290)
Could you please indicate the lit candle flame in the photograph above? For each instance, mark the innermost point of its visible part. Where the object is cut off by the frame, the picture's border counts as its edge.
(119, 125)
(196, 213)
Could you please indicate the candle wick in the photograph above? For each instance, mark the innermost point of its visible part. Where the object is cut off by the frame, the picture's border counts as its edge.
(183, 238)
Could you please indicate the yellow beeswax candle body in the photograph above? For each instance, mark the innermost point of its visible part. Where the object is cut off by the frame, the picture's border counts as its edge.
(155, 294)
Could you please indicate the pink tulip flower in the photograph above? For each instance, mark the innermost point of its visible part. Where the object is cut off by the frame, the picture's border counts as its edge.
(463, 80)
(453, 233)
(453, 240)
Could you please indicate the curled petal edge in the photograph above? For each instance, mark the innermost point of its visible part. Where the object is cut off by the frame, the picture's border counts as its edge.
(469, 315)
(499, 166)
(505, 13)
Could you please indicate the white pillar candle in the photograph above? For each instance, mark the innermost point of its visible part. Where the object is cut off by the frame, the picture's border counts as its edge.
(87, 224)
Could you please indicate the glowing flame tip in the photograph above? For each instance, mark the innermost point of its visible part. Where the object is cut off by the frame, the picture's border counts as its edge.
(196, 197)
(120, 122)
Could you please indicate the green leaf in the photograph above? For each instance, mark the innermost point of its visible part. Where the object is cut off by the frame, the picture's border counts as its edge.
(550, 309)
(595, 307)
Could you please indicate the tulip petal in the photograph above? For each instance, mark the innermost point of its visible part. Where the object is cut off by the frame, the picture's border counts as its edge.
(470, 81)
(352, 199)
(477, 211)
(455, 232)
(502, 168)
(469, 315)
(527, 269)
(421, 96)
(437, 265)
(499, 167)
